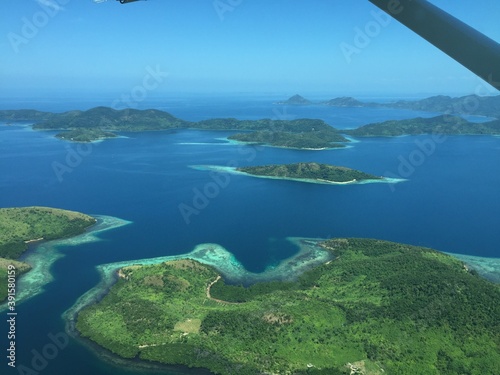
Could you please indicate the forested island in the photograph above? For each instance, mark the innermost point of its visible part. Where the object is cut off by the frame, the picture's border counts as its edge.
(443, 124)
(314, 140)
(315, 172)
(377, 307)
(300, 133)
(21, 226)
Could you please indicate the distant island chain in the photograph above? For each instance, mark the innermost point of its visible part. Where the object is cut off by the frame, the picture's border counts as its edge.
(307, 134)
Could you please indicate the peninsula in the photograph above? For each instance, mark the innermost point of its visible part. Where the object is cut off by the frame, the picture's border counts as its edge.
(24, 225)
(373, 307)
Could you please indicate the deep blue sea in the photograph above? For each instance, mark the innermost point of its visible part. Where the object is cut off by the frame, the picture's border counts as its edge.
(451, 201)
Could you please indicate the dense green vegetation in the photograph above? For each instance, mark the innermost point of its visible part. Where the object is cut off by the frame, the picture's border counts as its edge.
(450, 125)
(379, 307)
(19, 226)
(311, 171)
(85, 135)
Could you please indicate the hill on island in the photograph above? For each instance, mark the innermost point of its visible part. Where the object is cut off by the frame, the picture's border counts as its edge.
(296, 100)
(377, 308)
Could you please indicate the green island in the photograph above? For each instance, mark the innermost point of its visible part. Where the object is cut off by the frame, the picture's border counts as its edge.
(85, 135)
(312, 140)
(310, 172)
(24, 225)
(443, 124)
(315, 172)
(374, 307)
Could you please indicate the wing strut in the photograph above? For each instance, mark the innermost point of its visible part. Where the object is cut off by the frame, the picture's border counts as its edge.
(466, 45)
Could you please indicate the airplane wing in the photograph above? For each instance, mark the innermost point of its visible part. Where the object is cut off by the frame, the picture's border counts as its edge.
(466, 45)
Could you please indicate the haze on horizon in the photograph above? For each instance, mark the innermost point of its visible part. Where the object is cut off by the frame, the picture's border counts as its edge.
(64, 47)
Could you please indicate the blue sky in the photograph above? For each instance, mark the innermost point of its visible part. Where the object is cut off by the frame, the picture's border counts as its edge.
(258, 46)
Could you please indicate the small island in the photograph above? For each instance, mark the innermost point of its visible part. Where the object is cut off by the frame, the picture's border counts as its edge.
(21, 226)
(372, 307)
(295, 100)
(310, 172)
